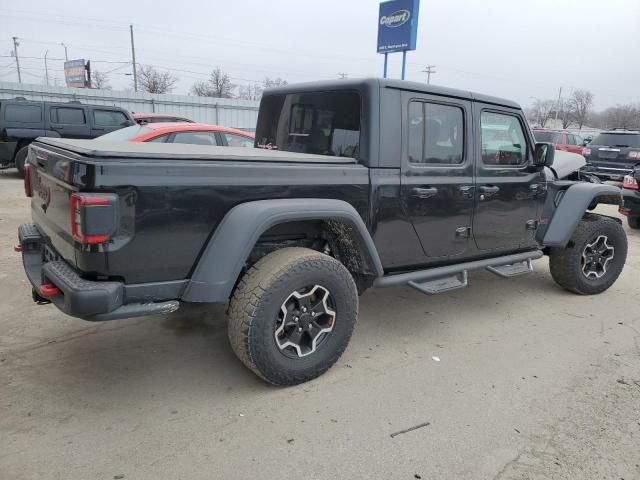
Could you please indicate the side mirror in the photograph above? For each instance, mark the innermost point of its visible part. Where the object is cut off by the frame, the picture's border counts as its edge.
(544, 154)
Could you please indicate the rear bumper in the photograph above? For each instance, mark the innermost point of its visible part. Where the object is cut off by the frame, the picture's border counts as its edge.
(608, 173)
(86, 299)
(630, 203)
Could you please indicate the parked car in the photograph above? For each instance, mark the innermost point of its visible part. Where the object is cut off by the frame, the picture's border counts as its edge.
(613, 154)
(562, 140)
(144, 118)
(631, 198)
(374, 183)
(21, 121)
(192, 133)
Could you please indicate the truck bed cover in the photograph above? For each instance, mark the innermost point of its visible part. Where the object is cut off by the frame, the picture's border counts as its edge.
(148, 150)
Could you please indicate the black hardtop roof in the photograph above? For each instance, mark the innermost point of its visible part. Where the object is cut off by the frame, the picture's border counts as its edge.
(371, 83)
(70, 103)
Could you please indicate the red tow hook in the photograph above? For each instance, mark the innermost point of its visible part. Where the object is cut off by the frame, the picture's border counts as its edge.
(49, 290)
(17, 248)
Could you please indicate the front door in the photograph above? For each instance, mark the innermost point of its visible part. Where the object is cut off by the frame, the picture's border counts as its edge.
(509, 190)
(437, 172)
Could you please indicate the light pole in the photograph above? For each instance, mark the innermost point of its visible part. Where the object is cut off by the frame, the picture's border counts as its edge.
(46, 69)
(66, 55)
(15, 53)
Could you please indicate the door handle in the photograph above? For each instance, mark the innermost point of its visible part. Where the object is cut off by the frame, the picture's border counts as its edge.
(466, 191)
(489, 190)
(424, 192)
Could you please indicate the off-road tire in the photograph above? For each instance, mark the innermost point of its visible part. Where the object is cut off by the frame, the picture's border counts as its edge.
(634, 222)
(257, 300)
(565, 263)
(20, 158)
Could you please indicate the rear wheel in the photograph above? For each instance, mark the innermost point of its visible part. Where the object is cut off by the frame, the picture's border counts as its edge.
(20, 159)
(634, 222)
(292, 315)
(594, 257)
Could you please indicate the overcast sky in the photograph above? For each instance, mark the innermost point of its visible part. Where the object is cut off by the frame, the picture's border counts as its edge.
(515, 49)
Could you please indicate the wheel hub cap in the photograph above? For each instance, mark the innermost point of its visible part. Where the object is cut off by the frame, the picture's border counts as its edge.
(596, 257)
(305, 320)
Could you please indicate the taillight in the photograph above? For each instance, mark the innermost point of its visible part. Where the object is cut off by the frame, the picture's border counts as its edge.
(93, 217)
(633, 155)
(586, 152)
(630, 182)
(28, 191)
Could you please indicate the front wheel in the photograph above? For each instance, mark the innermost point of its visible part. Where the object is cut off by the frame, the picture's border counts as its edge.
(594, 257)
(292, 315)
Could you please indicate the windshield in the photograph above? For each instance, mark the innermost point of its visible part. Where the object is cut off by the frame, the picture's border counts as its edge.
(617, 140)
(124, 134)
(550, 137)
(324, 123)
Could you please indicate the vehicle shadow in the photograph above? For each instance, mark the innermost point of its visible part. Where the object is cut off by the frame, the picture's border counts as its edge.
(188, 350)
(10, 173)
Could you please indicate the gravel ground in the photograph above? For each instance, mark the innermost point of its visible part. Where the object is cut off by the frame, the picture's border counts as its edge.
(531, 383)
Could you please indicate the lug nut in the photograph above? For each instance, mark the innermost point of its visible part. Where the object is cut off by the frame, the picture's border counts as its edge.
(304, 309)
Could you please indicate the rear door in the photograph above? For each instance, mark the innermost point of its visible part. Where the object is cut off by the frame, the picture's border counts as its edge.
(437, 172)
(509, 191)
(70, 121)
(104, 120)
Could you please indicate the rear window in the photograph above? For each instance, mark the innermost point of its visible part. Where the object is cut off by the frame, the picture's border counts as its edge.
(124, 134)
(617, 140)
(323, 123)
(110, 118)
(549, 137)
(23, 113)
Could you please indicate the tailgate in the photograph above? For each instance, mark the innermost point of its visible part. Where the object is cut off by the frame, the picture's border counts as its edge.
(49, 176)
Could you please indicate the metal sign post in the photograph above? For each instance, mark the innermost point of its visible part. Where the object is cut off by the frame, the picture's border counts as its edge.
(397, 29)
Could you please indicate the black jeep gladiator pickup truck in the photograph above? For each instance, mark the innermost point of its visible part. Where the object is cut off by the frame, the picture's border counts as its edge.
(357, 184)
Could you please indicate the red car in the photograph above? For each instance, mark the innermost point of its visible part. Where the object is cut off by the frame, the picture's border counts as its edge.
(566, 141)
(144, 118)
(192, 133)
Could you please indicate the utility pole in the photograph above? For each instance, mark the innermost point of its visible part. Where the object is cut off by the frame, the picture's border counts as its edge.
(15, 53)
(429, 69)
(133, 61)
(46, 69)
(66, 54)
(558, 104)
(342, 75)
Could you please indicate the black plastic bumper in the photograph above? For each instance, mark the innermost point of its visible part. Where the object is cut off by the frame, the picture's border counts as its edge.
(630, 202)
(86, 299)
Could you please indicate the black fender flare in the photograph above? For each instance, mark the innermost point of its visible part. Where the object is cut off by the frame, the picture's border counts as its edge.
(572, 206)
(229, 247)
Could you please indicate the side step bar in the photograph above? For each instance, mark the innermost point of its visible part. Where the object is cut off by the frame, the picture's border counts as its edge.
(451, 277)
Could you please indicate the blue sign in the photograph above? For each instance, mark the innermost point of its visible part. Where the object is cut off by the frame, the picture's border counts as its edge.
(75, 73)
(398, 25)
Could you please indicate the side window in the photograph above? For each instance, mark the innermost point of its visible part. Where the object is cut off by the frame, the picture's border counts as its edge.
(23, 113)
(436, 134)
(67, 116)
(237, 140)
(195, 138)
(109, 118)
(503, 140)
(160, 139)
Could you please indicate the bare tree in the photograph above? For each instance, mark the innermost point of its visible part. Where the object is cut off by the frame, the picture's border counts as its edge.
(622, 116)
(218, 85)
(250, 92)
(541, 111)
(274, 82)
(100, 80)
(154, 81)
(579, 105)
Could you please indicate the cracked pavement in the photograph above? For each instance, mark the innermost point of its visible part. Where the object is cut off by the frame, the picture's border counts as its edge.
(532, 383)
